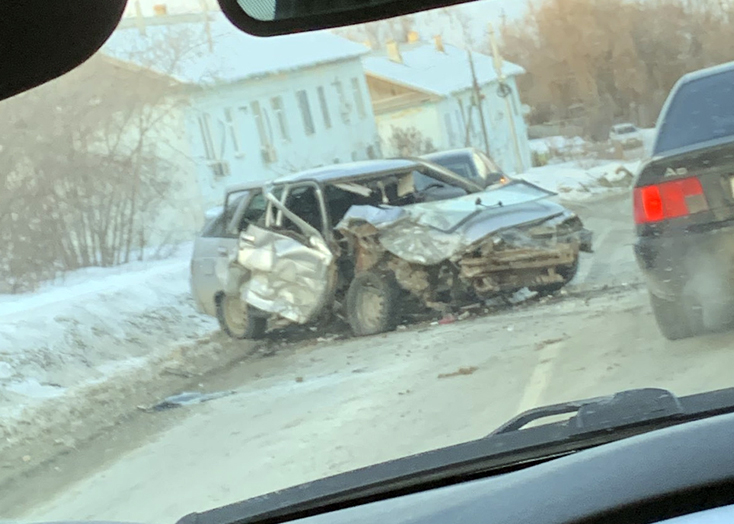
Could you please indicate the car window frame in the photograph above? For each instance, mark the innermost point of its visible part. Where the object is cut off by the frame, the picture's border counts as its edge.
(276, 208)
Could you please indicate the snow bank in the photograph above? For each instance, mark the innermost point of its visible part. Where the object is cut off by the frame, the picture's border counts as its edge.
(94, 323)
(648, 138)
(574, 183)
(558, 146)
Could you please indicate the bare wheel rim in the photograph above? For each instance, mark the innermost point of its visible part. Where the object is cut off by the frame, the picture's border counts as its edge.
(370, 304)
(235, 313)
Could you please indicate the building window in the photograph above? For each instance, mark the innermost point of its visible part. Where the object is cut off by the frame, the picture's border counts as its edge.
(265, 131)
(206, 136)
(344, 107)
(324, 107)
(358, 99)
(257, 114)
(305, 108)
(231, 123)
(449, 128)
(277, 104)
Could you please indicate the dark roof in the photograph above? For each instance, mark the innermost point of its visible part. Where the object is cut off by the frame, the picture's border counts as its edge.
(709, 71)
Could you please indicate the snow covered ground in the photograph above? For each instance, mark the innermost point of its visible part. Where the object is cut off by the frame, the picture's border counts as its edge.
(575, 183)
(96, 322)
(100, 322)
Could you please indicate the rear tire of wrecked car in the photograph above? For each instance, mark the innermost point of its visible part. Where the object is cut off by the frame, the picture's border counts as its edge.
(673, 318)
(238, 320)
(372, 303)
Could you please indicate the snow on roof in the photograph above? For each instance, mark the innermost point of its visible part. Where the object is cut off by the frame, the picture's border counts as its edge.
(181, 50)
(424, 67)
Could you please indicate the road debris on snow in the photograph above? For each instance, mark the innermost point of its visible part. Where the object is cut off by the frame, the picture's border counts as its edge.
(549, 342)
(186, 398)
(459, 372)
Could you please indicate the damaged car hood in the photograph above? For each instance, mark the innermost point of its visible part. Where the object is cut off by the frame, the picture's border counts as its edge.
(431, 232)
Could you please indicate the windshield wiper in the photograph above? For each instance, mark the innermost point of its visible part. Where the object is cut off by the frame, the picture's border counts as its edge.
(594, 422)
(601, 413)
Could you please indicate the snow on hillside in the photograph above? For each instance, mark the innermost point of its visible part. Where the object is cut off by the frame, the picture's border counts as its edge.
(94, 323)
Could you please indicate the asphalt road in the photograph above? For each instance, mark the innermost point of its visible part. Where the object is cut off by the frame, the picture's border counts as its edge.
(331, 407)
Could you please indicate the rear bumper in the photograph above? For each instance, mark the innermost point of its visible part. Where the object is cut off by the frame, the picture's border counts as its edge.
(676, 265)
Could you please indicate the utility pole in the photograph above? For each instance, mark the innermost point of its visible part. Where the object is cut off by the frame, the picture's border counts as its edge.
(478, 102)
(503, 88)
(139, 20)
(207, 25)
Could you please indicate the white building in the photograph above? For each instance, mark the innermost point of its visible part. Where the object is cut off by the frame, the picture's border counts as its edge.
(428, 87)
(255, 108)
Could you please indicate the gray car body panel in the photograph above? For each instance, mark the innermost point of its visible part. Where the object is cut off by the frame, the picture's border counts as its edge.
(423, 233)
(432, 232)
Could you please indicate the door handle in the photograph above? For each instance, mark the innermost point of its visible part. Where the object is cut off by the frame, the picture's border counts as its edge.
(223, 251)
(248, 238)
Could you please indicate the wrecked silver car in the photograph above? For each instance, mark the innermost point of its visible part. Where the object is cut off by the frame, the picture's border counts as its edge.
(366, 240)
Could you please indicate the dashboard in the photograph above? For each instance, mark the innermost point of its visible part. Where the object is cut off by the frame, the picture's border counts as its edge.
(682, 474)
(712, 516)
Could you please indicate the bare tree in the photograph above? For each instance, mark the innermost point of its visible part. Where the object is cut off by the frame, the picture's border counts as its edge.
(615, 58)
(410, 142)
(81, 169)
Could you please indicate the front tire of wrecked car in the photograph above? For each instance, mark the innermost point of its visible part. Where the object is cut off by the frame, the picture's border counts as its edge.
(372, 303)
(674, 319)
(237, 320)
(568, 273)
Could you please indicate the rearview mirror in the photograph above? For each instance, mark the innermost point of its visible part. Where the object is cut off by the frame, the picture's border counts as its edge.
(277, 17)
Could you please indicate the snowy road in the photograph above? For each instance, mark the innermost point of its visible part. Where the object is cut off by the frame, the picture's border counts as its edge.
(312, 410)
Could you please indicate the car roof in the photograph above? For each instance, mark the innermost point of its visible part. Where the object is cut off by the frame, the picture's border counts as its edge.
(350, 170)
(243, 186)
(331, 172)
(709, 71)
(338, 172)
(451, 152)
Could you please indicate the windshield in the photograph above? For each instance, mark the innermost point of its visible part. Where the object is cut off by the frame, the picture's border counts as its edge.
(460, 166)
(233, 264)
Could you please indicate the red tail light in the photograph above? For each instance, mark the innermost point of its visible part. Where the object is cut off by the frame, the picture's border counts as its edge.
(673, 199)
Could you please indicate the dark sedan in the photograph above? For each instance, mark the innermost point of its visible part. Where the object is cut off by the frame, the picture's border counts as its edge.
(684, 207)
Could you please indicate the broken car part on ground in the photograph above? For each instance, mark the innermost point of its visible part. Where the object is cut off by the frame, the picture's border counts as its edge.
(356, 240)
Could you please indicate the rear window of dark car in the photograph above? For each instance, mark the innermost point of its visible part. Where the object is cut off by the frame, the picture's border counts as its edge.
(460, 165)
(701, 110)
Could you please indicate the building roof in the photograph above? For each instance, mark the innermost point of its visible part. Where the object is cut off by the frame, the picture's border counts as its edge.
(179, 47)
(425, 68)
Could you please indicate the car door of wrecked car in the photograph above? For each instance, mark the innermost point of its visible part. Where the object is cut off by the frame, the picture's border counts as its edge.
(291, 267)
(250, 210)
(213, 249)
